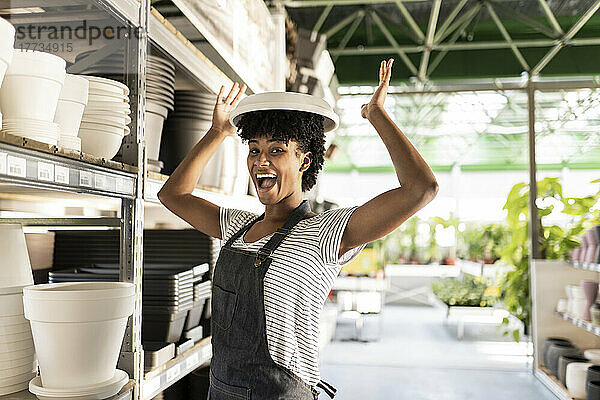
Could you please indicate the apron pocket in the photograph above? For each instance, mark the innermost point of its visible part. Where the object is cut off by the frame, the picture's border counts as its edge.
(223, 307)
(222, 391)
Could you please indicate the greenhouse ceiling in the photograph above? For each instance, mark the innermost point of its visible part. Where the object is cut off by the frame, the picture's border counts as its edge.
(454, 39)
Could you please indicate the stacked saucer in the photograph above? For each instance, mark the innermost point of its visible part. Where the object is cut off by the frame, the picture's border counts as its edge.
(17, 354)
(111, 66)
(29, 95)
(71, 103)
(160, 85)
(105, 118)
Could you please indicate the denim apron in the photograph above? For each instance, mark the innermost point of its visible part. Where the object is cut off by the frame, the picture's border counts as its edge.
(241, 366)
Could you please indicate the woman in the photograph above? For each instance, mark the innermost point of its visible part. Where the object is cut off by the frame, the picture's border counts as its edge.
(275, 270)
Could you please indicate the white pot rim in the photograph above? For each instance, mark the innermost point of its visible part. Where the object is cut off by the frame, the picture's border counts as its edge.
(79, 290)
(115, 384)
(105, 81)
(39, 76)
(11, 289)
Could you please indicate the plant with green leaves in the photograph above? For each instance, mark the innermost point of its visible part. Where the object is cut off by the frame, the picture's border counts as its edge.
(555, 242)
(468, 291)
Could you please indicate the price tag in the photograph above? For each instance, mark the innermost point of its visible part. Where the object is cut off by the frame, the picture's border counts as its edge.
(152, 385)
(120, 185)
(45, 171)
(17, 166)
(85, 178)
(191, 361)
(3, 163)
(100, 181)
(61, 175)
(173, 373)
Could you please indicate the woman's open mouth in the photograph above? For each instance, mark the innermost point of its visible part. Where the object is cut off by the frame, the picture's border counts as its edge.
(265, 182)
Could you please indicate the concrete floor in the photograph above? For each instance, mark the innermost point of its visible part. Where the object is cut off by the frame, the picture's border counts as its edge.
(419, 358)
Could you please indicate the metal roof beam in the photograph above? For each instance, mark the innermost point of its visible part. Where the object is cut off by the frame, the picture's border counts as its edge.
(349, 34)
(322, 18)
(438, 59)
(566, 38)
(321, 3)
(411, 22)
(449, 46)
(525, 19)
(394, 44)
(507, 37)
(467, 15)
(449, 20)
(551, 17)
(433, 18)
(340, 25)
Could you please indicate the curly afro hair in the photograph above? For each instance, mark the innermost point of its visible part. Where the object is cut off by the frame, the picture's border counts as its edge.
(303, 127)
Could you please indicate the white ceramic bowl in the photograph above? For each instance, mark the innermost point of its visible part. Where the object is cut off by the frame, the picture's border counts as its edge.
(18, 362)
(16, 269)
(75, 89)
(99, 143)
(103, 126)
(578, 306)
(576, 378)
(593, 355)
(154, 126)
(23, 369)
(78, 329)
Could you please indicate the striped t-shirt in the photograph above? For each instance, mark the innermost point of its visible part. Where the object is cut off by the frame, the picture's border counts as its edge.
(297, 283)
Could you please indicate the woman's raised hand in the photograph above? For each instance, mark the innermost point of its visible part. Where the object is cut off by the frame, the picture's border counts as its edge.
(224, 105)
(385, 72)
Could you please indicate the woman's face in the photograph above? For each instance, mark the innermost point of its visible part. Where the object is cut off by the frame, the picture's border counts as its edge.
(276, 168)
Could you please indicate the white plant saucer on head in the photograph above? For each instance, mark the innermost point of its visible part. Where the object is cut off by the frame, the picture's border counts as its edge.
(286, 101)
(98, 392)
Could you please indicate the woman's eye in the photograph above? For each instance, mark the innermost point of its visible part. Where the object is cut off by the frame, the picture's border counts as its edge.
(276, 150)
(253, 151)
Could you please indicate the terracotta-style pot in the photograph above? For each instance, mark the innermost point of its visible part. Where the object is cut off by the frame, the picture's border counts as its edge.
(590, 289)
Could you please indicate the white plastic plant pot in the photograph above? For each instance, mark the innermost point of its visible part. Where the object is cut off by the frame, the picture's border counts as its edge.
(154, 126)
(99, 143)
(108, 106)
(15, 337)
(110, 85)
(68, 116)
(16, 346)
(13, 320)
(16, 269)
(23, 328)
(7, 42)
(9, 365)
(104, 124)
(78, 329)
(117, 98)
(75, 89)
(23, 96)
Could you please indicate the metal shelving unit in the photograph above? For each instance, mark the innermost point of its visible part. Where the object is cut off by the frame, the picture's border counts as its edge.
(27, 165)
(588, 326)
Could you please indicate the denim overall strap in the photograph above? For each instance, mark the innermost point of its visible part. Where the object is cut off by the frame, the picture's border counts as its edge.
(280, 234)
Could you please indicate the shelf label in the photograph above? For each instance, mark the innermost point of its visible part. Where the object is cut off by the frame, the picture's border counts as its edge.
(173, 373)
(152, 385)
(85, 178)
(61, 174)
(120, 185)
(3, 163)
(207, 352)
(100, 181)
(45, 171)
(191, 361)
(17, 166)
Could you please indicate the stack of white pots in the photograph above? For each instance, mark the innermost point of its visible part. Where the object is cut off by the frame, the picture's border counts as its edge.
(71, 102)
(576, 300)
(29, 95)
(105, 118)
(7, 40)
(160, 85)
(78, 329)
(17, 354)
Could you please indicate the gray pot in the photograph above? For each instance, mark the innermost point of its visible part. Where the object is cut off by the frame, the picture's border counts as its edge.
(593, 374)
(563, 361)
(555, 351)
(546, 346)
(593, 390)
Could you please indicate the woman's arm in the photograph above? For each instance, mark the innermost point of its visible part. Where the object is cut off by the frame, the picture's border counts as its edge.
(176, 193)
(418, 185)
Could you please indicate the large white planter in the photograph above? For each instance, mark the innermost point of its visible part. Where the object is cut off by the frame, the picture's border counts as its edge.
(32, 85)
(78, 329)
(14, 263)
(155, 118)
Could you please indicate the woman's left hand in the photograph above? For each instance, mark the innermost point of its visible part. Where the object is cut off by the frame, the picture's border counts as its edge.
(376, 103)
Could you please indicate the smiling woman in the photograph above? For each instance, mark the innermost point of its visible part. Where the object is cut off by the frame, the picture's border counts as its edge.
(275, 270)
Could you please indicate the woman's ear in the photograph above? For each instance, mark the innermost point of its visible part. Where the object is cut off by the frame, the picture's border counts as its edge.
(306, 161)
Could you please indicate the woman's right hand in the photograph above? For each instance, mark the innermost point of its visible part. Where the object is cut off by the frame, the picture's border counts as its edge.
(220, 119)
